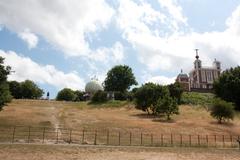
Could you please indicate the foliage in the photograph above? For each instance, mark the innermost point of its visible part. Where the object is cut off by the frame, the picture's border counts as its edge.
(146, 96)
(119, 78)
(65, 94)
(227, 86)
(30, 90)
(5, 95)
(99, 97)
(120, 96)
(79, 95)
(26, 89)
(195, 98)
(15, 89)
(222, 110)
(176, 91)
(167, 106)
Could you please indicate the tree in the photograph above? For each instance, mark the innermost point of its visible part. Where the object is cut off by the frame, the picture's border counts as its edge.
(119, 78)
(146, 96)
(227, 86)
(99, 97)
(15, 89)
(30, 90)
(176, 91)
(222, 110)
(79, 95)
(167, 106)
(65, 94)
(5, 95)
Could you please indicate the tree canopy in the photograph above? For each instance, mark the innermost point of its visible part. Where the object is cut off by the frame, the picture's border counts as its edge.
(119, 78)
(30, 90)
(66, 94)
(222, 110)
(147, 95)
(5, 95)
(227, 86)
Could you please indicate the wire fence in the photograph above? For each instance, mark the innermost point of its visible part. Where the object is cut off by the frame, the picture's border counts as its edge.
(46, 135)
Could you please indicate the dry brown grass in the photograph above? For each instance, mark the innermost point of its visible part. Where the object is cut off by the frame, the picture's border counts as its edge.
(192, 120)
(63, 152)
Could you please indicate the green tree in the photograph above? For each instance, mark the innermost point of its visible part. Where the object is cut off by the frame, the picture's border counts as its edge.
(119, 78)
(78, 95)
(147, 95)
(99, 97)
(5, 95)
(66, 94)
(167, 106)
(30, 90)
(176, 91)
(227, 86)
(222, 110)
(15, 89)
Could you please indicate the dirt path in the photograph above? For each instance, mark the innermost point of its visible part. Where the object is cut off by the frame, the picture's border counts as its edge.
(63, 152)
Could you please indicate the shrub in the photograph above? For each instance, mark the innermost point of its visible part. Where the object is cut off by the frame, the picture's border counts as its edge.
(222, 110)
(176, 91)
(167, 106)
(120, 96)
(146, 96)
(195, 98)
(227, 86)
(99, 97)
(65, 94)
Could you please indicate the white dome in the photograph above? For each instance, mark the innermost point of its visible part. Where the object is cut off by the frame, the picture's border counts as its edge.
(92, 87)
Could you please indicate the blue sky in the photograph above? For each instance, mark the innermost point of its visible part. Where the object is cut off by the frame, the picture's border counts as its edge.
(62, 43)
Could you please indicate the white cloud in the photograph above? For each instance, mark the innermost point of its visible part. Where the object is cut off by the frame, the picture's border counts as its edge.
(105, 55)
(64, 24)
(30, 38)
(163, 80)
(25, 68)
(174, 49)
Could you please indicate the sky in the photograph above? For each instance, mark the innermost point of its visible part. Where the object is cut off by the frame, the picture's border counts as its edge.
(61, 43)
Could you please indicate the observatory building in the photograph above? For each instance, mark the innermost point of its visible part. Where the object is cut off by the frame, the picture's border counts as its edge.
(92, 87)
(200, 78)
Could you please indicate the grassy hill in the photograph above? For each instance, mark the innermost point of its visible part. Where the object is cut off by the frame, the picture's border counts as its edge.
(112, 115)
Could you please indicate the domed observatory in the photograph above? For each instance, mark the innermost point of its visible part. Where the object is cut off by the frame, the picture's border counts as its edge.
(92, 87)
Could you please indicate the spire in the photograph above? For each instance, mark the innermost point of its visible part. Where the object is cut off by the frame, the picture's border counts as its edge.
(181, 71)
(197, 53)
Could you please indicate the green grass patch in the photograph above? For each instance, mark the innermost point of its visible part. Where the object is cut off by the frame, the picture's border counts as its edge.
(110, 104)
(195, 98)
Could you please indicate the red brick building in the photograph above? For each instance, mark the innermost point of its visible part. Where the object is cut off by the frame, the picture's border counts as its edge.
(200, 78)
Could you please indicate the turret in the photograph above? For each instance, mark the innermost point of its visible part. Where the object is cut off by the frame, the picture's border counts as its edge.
(217, 64)
(197, 62)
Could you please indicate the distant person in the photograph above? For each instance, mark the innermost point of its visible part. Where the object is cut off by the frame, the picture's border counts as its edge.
(48, 95)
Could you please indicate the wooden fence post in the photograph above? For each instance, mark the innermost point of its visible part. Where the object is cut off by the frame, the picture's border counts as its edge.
(231, 140)
(223, 138)
(141, 139)
(215, 139)
(70, 136)
(130, 138)
(95, 138)
(119, 138)
(107, 137)
(57, 136)
(29, 134)
(171, 139)
(151, 139)
(190, 140)
(181, 140)
(161, 139)
(83, 134)
(13, 135)
(43, 137)
(199, 143)
(207, 140)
